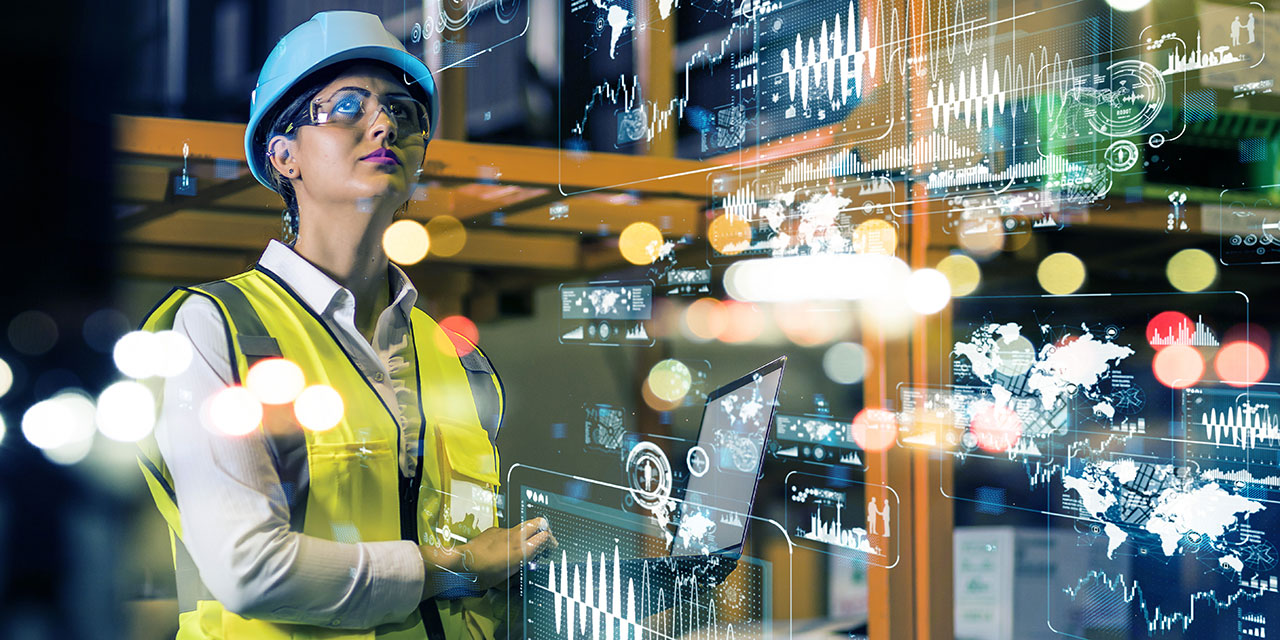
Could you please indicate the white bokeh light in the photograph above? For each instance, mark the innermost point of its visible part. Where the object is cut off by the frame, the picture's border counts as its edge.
(138, 354)
(815, 277)
(275, 381)
(845, 362)
(234, 411)
(63, 422)
(126, 411)
(175, 354)
(928, 291)
(318, 408)
(1128, 5)
(6, 377)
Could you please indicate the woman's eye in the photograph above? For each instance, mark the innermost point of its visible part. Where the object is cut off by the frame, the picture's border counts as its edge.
(347, 106)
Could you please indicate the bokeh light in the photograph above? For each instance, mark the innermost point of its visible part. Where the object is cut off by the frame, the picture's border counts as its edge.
(845, 362)
(137, 354)
(406, 242)
(876, 237)
(1061, 273)
(448, 236)
(705, 319)
(1241, 363)
(997, 428)
(6, 377)
(810, 324)
(1128, 5)
(875, 429)
(670, 380)
(729, 235)
(980, 237)
(234, 411)
(63, 422)
(928, 291)
(126, 411)
(962, 272)
(744, 322)
(1191, 270)
(1178, 366)
(653, 401)
(275, 381)
(456, 328)
(318, 407)
(175, 353)
(1166, 326)
(640, 243)
(33, 332)
(103, 327)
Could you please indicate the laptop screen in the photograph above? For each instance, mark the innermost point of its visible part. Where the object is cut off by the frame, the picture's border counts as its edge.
(725, 464)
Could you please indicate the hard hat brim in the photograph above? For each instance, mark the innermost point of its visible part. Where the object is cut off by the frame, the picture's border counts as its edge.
(417, 77)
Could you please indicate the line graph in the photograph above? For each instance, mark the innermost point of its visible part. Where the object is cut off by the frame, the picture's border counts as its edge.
(1242, 426)
(1158, 620)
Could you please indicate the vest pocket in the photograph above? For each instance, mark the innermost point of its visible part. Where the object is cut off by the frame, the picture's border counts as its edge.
(353, 492)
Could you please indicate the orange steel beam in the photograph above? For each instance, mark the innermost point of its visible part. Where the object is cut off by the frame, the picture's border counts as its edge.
(446, 159)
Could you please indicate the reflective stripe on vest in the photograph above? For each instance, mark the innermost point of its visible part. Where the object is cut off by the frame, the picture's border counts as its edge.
(249, 299)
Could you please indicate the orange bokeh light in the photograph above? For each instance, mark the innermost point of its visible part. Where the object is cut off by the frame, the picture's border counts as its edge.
(997, 427)
(875, 429)
(1241, 363)
(1178, 366)
(706, 318)
(745, 322)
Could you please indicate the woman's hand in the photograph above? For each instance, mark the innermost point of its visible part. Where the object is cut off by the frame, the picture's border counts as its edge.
(497, 553)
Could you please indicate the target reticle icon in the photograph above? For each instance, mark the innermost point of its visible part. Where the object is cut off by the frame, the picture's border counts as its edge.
(1131, 100)
(649, 475)
(698, 460)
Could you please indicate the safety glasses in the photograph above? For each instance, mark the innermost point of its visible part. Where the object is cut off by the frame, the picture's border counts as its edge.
(355, 108)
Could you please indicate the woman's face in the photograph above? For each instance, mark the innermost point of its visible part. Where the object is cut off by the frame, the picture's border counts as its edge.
(332, 164)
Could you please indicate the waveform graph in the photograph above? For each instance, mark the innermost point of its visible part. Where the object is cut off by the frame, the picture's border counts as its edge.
(1228, 425)
(612, 579)
(843, 517)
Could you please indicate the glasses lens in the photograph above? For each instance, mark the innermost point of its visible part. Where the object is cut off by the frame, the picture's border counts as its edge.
(409, 114)
(350, 107)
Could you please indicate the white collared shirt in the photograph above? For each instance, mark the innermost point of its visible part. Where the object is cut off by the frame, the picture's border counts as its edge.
(235, 517)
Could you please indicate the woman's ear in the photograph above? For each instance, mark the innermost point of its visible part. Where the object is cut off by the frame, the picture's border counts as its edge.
(280, 153)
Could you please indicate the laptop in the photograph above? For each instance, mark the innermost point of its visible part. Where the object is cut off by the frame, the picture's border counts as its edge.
(724, 466)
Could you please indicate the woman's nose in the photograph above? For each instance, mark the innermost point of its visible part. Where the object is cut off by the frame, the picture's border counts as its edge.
(383, 125)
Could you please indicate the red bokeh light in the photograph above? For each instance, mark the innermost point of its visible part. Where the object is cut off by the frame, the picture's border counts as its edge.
(997, 427)
(1241, 364)
(875, 429)
(456, 326)
(1178, 366)
(1164, 325)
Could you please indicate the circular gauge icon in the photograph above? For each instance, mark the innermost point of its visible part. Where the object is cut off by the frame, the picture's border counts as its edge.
(649, 475)
(1129, 100)
(698, 460)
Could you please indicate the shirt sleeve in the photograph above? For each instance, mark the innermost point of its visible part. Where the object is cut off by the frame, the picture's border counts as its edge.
(235, 517)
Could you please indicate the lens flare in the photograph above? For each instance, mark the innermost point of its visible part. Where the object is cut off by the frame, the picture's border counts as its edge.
(459, 334)
(640, 243)
(845, 362)
(234, 411)
(706, 319)
(962, 272)
(1191, 270)
(448, 236)
(1178, 366)
(126, 411)
(318, 408)
(1061, 273)
(275, 381)
(1241, 364)
(406, 242)
(875, 429)
(729, 235)
(997, 427)
(670, 380)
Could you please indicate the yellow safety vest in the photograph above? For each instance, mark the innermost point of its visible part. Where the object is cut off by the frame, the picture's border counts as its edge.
(345, 483)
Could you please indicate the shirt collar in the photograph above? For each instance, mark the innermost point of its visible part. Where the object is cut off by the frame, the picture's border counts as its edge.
(318, 291)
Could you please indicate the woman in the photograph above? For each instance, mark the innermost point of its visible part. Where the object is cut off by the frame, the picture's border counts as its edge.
(380, 526)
